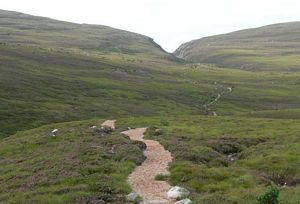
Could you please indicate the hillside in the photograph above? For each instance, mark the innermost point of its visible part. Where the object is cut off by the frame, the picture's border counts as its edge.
(52, 80)
(76, 166)
(53, 71)
(270, 48)
(19, 28)
(219, 159)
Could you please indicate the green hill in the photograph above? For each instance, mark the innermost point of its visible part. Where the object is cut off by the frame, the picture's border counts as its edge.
(19, 28)
(271, 48)
(53, 71)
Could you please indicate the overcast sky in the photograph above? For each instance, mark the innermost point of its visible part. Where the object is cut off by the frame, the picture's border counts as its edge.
(169, 22)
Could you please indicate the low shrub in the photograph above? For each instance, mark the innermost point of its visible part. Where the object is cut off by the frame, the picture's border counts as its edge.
(270, 196)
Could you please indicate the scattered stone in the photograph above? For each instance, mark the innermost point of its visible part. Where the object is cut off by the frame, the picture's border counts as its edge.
(157, 130)
(184, 179)
(128, 128)
(112, 150)
(232, 157)
(229, 89)
(184, 201)
(132, 196)
(54, 132)
(177, 192)
(214, 113)
(93, 127)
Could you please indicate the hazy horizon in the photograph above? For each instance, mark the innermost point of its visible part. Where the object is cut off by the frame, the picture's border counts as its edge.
(169, 23)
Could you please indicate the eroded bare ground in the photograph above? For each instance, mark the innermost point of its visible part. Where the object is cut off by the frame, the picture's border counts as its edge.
(142, 180)
(109, 123)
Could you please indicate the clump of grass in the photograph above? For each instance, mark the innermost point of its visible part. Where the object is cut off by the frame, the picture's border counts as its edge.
(163, 119)
(161, 177)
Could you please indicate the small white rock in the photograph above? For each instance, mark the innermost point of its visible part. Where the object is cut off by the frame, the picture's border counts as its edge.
(93, 127)
(132, 196)
(177, 192)
(184, 201)
(54, 132)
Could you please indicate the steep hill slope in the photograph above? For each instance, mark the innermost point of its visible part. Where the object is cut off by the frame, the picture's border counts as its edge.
(19, 28)
(274, 47)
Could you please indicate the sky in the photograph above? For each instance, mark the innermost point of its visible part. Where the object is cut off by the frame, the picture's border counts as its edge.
(169, 22)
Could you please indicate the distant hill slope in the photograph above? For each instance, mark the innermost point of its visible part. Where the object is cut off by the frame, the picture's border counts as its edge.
(54, 71)
(26, 29)
(52, 75)
(274, 47)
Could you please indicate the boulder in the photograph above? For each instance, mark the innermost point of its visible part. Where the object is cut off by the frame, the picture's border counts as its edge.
(132, 196)
(184, 201)
(177, 192)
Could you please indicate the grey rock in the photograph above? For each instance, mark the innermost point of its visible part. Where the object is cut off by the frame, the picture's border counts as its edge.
(177, 192)
(184, 201)
(132, 196)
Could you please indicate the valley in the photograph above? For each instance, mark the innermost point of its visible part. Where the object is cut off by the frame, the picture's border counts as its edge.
(226, 107)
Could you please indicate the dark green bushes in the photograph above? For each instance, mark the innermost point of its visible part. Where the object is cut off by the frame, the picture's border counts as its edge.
(270, 196)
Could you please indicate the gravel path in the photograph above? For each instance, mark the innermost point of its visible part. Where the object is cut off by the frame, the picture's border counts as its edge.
(142, 180)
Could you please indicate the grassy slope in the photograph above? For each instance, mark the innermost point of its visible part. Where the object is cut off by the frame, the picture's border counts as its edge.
(274, 47)
(46, 79)
(40, 86)
(265, 152)
(18, 28)
(76, 166)
(73, 86)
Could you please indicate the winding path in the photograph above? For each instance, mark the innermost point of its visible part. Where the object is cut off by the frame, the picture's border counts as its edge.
(142, 180)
